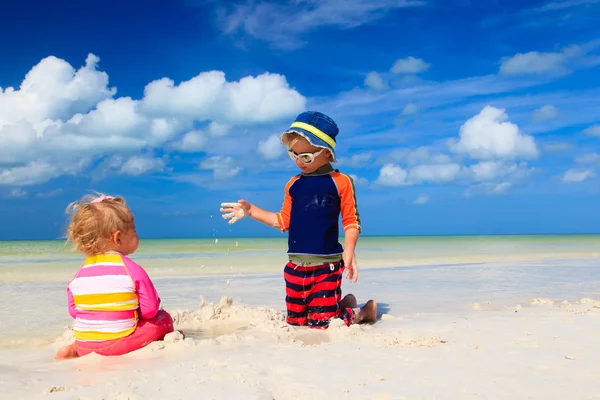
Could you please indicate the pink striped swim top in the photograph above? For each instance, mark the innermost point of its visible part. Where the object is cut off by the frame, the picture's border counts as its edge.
(108, 295)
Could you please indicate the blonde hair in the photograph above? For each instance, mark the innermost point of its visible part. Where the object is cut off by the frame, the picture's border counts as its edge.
(94, 219)
(289, 139)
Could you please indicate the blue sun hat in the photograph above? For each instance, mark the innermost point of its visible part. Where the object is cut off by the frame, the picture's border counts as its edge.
(317, 128)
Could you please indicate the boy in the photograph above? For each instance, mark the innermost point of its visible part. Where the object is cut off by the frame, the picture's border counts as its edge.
(311, 209)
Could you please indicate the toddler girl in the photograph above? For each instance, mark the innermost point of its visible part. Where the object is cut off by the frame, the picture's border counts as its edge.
(114, 303)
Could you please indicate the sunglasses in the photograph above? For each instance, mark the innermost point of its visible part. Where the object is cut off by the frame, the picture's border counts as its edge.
(306, 158)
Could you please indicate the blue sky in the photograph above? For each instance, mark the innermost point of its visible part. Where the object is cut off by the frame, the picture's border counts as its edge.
(464, 117)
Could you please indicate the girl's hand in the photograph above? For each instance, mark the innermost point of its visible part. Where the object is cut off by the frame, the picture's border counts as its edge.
(235, 211)
(351, 267)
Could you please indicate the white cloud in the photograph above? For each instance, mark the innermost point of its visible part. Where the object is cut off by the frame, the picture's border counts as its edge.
(209, 96)
(591, 158)
(489, 170)
(593, 130)
(558, 147)
(489, 135)
(31, 174)
(191, 142)
(49, 90)
(420, 155)
(435, 173)
(501, 187)
(109, 166)
(410, 65)
(217, 129)
(61, 120)
(563, 5)
(117, 116)
(375, 81)
(545, 113)
(534, 62)
(447, 102)
(358, 181)
(422, 199)
(551, 63)
(392, 175)
(221, 166)
(271, 148)
(496, 171)
(51, 193)
(139, 165)
(488, 176)
(425, 167)
(576, 176)
(284, 23)
(17, 193)
(132, 166)
(357, 160)
(489, 188)
(410, 109)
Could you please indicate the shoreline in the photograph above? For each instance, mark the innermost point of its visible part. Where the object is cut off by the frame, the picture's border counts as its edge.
(190, 267)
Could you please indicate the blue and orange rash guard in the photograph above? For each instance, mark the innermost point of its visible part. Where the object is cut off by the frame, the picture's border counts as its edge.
(310, 213)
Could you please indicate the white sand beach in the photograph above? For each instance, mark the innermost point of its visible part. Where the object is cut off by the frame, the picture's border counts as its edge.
(488, 329)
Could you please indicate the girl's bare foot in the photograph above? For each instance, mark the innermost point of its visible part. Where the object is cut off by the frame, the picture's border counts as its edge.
(367, 314)
(66, 352)
(349, 301)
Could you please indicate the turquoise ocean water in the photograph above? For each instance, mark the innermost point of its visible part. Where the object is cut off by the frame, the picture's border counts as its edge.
(409, 247)
(55, 260)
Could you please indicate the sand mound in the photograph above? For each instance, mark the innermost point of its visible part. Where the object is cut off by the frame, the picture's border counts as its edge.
(592, 302)
(226, 311)
(584, 305)
(270, 321)
(228, 323)
(542, 301)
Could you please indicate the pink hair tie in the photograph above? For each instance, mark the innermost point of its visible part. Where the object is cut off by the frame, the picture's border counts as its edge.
(102, 198)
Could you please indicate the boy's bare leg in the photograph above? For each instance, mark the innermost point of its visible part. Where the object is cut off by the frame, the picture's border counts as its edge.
(66, 352)
(349, 301)
(367, 313)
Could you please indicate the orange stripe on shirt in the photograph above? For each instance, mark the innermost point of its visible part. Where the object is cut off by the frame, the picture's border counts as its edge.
(283, 217)
(348, 204)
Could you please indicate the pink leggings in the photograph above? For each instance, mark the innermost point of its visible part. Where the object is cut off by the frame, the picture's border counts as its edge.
(147, 331)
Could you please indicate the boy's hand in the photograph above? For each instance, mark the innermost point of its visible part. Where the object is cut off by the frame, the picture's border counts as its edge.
(235, 211)
(351, 267)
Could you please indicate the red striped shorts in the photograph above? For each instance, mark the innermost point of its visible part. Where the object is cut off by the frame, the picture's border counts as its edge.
(313, 295)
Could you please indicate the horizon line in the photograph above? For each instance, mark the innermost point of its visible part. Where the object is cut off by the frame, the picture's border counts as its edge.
(364, 236)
